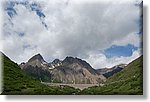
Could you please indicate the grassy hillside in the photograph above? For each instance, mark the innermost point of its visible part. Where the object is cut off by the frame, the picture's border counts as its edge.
(128, 81)
(17, 82)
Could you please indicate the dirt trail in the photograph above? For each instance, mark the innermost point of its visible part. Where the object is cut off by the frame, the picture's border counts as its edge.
(80, 86)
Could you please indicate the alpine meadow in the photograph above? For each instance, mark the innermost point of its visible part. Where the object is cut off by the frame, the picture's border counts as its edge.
(72, 47)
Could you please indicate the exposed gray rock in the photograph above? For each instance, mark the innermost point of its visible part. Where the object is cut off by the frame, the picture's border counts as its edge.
(108, 72)
(70, 70)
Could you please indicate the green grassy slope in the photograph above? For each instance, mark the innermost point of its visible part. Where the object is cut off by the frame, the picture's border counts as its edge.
(17, 82)
(128, 81)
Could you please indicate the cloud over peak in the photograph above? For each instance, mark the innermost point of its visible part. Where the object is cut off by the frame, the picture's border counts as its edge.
(74, 29)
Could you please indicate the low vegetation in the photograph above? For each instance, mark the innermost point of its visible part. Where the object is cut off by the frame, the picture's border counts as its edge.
(128, 81)
(18, 82)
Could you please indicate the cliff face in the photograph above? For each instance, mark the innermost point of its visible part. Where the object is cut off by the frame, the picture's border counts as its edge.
(70, 70)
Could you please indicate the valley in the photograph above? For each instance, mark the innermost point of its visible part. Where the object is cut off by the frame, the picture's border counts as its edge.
(17, 81)
(54, 47)
(77, 86)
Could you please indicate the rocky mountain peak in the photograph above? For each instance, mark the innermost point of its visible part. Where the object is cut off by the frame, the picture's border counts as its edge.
(56, 61)
(36, 57)
(82, 64)
(69, 60)
(70, 70)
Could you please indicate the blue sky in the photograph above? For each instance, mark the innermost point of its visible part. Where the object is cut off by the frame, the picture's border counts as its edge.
(117, 51)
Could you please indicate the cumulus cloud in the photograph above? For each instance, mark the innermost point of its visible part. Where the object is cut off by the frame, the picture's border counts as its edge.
(74, 29)
(132, 38)
(1, 19)
(99, 60)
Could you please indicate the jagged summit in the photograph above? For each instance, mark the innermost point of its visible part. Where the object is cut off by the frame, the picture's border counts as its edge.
(69, 60)
(37, 60)
(70, 70)
(37, 57)
(56, 61)
(72, 60)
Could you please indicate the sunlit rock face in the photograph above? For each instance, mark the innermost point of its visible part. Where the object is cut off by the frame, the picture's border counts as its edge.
(70, 70)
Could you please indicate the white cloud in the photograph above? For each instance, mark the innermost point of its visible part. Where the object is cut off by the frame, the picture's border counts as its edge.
(74, 29)
(101, 61)
(1, 19)
(132, 38)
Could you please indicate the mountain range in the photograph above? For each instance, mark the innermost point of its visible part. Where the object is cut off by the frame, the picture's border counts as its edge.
(108, 72)
(128, 81)
(70, 70)
(17, 81)
(27, 77)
